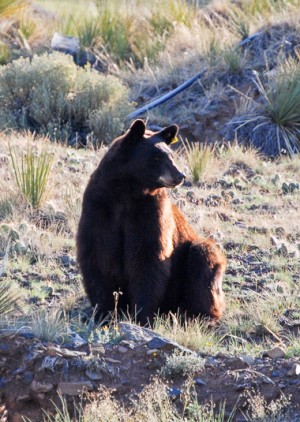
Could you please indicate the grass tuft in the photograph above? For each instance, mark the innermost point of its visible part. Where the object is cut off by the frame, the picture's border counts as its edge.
(199, 158)
(31, 173)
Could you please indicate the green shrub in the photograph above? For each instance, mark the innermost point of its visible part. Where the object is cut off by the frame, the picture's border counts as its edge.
(51, 95)
(181, 364)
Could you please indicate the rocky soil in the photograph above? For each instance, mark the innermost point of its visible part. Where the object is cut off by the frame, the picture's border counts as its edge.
(32, 373)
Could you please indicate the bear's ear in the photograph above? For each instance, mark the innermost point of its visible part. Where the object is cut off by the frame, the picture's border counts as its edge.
(137, 130)
(168, 134)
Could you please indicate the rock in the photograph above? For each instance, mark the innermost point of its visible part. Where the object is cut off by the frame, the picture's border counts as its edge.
(128, 343)
(275, 352)
(134, 332)
(295, 370)
(111, 360)
(199, 381)
(94, 376)
(122, 349)
(97, 349)
(76, 339)
(236, 363)
(40, 387)
(145, 335)
(159, 344)
(249, 360)
(63, 352)
(65, 260)
(75, 388)
(282, 385)
(64, 44)
(210, 361)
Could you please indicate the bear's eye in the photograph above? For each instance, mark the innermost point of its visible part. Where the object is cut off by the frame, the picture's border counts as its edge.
(157, 158)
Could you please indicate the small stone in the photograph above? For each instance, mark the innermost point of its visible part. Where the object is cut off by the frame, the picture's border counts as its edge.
(199, 381)
(173, 392)
(249, 360)
(94, 376)
(128, 343)
(111, 360)
(65, 260)
(275, 353)
(295, 370)
(210, 361)
(40, 387)
(236, 363)
(159, 343)
(122, 349)
(282, 385)
(75, 388)
(97, 349)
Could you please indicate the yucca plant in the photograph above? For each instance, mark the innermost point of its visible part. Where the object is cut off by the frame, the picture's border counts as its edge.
(199, 157)
(8, 300)
(31, 173)
(272, 124)
(88, 32)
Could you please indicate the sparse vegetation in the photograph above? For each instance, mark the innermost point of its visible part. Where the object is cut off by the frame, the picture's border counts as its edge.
(248, 95)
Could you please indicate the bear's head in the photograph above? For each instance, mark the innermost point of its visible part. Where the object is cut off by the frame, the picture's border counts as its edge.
(144, 158)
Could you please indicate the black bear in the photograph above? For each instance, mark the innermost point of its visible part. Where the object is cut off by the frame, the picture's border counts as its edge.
(132, 238)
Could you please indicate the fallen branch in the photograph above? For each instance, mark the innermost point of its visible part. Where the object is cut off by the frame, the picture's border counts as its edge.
(167, 96)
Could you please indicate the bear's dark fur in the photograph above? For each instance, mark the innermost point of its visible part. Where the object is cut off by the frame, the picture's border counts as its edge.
(132, 238)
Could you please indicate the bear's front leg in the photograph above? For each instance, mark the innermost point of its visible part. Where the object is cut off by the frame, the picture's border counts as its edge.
(147, 290)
